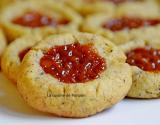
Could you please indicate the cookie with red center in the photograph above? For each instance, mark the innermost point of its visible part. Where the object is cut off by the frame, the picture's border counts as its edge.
(34, 17)
(74, 75)
(144, 58)
(3, 42)
(121, 29)
(14, 53)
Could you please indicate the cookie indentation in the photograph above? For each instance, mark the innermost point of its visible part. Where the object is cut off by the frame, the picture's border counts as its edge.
(147, 58)
(23, 53)
(73, 63)
(35, 19)
(127, 23)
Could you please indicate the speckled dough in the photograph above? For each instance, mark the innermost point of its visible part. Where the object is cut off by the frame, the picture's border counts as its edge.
(10, 60)
(48, 94)
(145, 84)
(47, 7)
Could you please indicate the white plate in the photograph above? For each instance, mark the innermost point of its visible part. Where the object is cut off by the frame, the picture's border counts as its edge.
(14, 111)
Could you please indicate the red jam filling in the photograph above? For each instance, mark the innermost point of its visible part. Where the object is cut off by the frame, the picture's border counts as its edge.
(73, 63)
(147, 59)
(23, 53)
(35, 19)
(129, 23)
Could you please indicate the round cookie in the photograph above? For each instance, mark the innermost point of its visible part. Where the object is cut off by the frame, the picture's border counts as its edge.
(74, 95)
(35, 17)
(14, 53)
(86, 7)
(121, 29)
(143, 56)
(3, 42)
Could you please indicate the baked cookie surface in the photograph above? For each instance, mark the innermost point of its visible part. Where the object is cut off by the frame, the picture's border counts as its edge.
(14, 53)
(138, 8)
(43, 90)
(143, 56)
(35, 17)
(3, 42)
(5, 3)
(86, 7)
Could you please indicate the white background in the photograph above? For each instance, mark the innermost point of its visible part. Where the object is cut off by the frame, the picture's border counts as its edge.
(13, 111)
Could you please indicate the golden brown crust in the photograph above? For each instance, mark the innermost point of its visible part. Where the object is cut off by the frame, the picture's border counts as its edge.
(145, 84)
(47, 7)
(47, 94)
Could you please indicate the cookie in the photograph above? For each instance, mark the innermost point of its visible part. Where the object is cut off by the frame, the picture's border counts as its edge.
(14, 53)
(86, 7)
(74, 75)
(35, 17)
(144, 57)
(121, 29)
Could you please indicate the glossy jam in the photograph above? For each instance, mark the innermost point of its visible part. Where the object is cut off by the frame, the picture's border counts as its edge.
(127, 23)
(73, 63)
(35, 19)
(147, 59)
(23, 53)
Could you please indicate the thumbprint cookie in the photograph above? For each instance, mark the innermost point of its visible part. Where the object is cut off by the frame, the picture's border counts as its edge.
(144, 58)
(86, 7)
(13, 55)
(2, 42)
(35, 17)
(121, 29)
(74, 75)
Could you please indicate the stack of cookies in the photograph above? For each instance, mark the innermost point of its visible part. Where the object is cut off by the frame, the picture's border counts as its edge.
(75, 58)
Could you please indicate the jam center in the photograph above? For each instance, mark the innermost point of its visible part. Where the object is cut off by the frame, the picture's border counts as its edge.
(147, 59)
(23, 53)
(73, 63)
(35, 19)
(129, 23)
